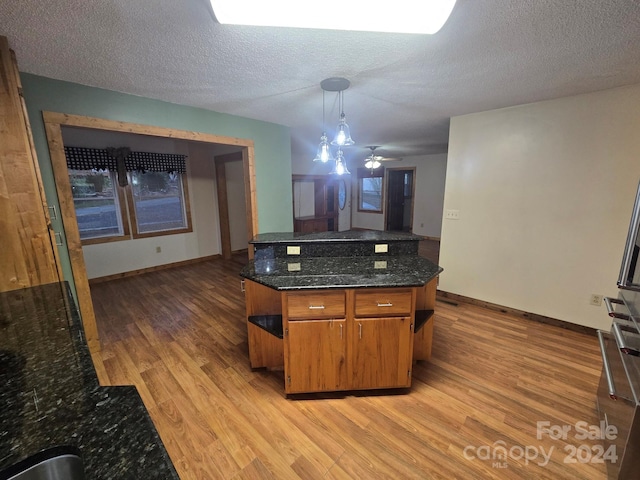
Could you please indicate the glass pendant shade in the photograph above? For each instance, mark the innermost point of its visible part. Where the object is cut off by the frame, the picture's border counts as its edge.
(343, 135)
(340, 168)
(324, 150)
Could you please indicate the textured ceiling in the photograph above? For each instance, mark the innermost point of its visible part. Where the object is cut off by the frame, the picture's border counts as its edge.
(404, 88)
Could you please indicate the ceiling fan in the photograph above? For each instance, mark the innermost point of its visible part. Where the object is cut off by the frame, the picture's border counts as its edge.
(373, 161)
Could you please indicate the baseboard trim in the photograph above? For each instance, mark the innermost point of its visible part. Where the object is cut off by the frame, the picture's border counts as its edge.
(156, 268)
(454, 298)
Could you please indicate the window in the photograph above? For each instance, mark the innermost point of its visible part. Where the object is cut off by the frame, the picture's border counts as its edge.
(158, 203)
(98, 205)
(153, 201)
(370, 190)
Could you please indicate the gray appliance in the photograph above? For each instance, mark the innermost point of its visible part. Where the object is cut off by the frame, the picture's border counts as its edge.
(619, 388)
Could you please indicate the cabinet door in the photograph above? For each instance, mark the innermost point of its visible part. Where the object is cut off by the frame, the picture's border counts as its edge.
(316, 356)
(26, 257)
(381, 352)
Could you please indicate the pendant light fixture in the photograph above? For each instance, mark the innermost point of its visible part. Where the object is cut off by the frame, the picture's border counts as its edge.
(324, 149)
(340, 167)
(343, 134)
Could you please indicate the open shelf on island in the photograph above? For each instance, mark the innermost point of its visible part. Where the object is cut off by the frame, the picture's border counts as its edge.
(422, 317)
(269, 323)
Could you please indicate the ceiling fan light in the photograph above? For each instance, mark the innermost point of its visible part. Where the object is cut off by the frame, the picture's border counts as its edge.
(372, 164)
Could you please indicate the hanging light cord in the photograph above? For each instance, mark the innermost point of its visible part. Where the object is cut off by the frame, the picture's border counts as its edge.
(323, 128)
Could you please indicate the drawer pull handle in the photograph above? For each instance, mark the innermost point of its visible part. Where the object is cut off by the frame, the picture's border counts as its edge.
(360, 331)
(388, 304)
(316, 307)
(606, 367)
(608, 301)
(340, 330)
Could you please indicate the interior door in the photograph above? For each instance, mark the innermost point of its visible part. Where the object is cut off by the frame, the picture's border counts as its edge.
(395, 200)
(399, 205)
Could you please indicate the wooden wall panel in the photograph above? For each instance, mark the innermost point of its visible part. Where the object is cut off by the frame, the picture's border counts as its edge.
(27, 255)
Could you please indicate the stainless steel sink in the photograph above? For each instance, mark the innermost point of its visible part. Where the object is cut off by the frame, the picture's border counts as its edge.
(62, 466)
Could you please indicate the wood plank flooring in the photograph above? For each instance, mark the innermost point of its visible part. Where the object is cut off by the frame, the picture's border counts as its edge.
(179, 335)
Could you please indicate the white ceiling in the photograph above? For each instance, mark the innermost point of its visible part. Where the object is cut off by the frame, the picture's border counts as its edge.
(404, 88)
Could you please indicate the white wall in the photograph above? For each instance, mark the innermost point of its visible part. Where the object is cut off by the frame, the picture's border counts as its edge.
(237, 205)
(428, 200)
(545, 193)
(128, 255)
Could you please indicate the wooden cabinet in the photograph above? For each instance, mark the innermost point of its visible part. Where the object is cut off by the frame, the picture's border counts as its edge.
(348, 339)
(27, 256)
(382, 338)
(324, 204)
(315, 358)
(381, 352)
(339, 339)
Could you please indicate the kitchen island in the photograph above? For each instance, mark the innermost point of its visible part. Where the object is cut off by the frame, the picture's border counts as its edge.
(339, 310)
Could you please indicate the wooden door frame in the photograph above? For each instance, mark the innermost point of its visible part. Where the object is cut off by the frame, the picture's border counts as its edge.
(54, 122)
(223, 200)
(413, 193)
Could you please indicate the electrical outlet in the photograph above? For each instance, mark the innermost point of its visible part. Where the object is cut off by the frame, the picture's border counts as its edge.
(381, 248)
(158, 249)
(452, 214)
(595, 299)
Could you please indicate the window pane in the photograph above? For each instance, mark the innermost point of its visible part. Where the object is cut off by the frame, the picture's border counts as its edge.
(158, 201)
(371, 193)
(96, 204)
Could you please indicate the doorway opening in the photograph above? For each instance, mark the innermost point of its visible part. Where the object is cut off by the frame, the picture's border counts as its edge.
(55, 122)
(399, 195)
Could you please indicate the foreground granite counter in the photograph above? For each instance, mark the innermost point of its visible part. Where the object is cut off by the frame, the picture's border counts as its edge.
(50, 394)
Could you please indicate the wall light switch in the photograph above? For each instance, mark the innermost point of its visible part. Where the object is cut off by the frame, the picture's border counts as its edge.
(381, 248)
(293, 250)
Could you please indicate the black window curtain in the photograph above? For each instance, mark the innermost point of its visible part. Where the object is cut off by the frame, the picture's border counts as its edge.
(123, 160)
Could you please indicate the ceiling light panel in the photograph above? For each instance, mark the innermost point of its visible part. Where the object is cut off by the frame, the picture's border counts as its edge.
(399, 16)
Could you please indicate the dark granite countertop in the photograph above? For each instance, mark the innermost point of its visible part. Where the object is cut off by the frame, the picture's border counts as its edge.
(341, 272)
(50, 394)
(346, 236)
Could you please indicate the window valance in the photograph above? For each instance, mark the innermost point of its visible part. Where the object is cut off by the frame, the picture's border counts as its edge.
(81, 158)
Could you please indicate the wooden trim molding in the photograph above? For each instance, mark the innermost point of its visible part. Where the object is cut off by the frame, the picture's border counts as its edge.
(454, 298)
(142, 271)
(53, 126)
(223, 200)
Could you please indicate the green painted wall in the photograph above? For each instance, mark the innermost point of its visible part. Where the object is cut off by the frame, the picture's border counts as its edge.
(272, 142)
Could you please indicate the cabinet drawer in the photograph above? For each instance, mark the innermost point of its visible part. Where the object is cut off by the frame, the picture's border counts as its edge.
(303, 305)
(383, 303)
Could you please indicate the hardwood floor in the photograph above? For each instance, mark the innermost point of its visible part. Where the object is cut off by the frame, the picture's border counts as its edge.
(179, 335)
